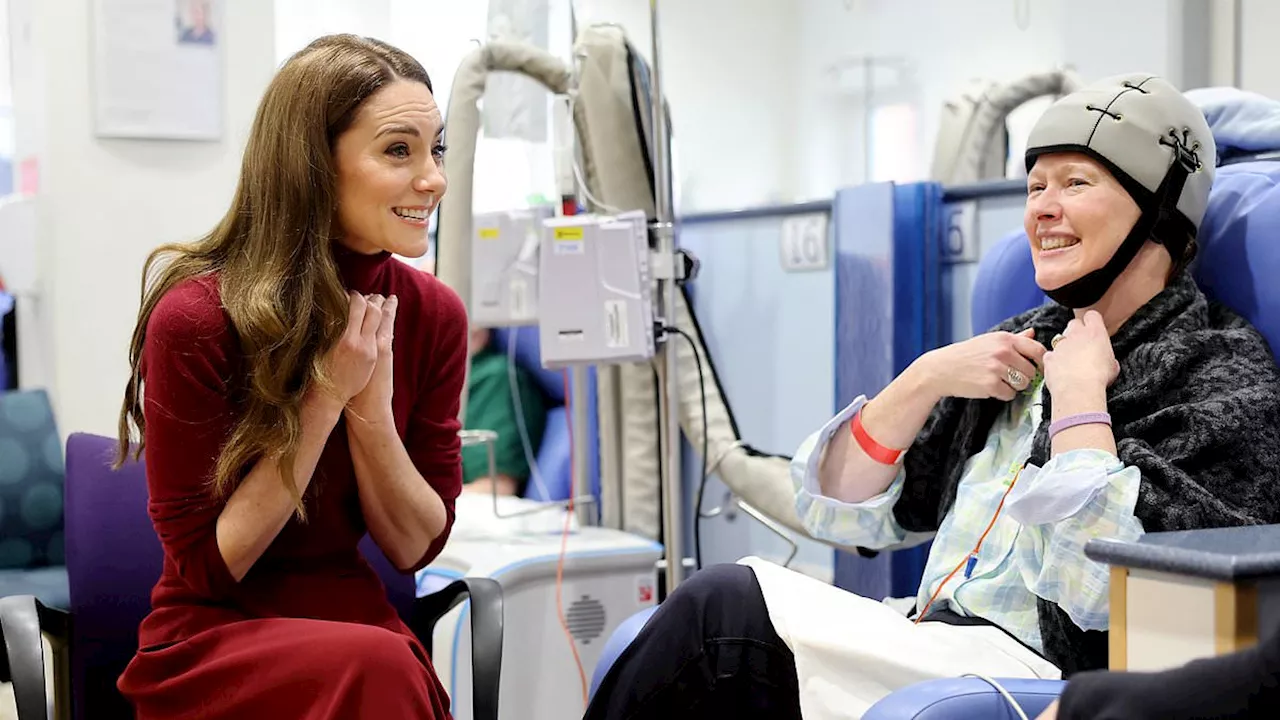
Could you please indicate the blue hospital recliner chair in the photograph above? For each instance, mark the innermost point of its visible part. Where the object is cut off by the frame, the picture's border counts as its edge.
(1237, 265)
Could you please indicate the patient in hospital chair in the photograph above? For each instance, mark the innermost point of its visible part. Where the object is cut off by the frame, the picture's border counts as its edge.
(1129, 404)
(500, 397)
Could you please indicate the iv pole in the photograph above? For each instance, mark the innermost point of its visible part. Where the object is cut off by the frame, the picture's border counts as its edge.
(665, 270)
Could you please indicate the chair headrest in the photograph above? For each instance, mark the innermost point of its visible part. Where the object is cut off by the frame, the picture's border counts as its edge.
(1005, 284)
(1239, 252)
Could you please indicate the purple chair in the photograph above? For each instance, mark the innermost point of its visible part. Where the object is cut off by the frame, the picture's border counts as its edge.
(114, 559)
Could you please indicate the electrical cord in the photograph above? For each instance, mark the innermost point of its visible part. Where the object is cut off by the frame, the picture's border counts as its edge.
(1000, 689)
(702, 482)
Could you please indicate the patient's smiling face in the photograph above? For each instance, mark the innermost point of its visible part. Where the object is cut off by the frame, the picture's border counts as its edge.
(1077, 215)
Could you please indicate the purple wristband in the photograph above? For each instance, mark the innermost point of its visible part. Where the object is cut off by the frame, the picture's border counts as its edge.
(1071, 421)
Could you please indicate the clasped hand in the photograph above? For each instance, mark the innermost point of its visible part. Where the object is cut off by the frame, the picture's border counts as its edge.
(360, 364)
(1083, 360)
(1002, 364)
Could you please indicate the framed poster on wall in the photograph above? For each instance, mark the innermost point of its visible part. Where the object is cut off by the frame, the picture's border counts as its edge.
(157, 69)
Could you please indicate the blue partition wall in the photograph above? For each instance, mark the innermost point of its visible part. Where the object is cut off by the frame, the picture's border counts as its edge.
(889, 309)
(769, 335)
(791, 348)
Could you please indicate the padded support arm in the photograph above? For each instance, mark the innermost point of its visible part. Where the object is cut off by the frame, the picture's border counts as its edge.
(966, 698)
(486, 635)
(22, 619)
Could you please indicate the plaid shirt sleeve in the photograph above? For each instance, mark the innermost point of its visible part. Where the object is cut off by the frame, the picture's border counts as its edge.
(1050, 554)
(869, 524)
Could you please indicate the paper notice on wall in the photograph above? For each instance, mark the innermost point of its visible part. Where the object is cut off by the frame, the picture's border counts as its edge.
(28, 176)
(18, 244)
(157, 68)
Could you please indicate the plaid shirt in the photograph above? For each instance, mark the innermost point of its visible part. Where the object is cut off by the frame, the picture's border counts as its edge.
(1018, 561)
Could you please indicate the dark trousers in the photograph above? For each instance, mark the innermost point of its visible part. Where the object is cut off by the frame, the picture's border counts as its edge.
(709, 651)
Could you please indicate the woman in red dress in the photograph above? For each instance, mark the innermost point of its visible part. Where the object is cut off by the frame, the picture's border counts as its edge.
(295, 387)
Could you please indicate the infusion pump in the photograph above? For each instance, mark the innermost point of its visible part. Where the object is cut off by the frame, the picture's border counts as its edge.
(585, 280)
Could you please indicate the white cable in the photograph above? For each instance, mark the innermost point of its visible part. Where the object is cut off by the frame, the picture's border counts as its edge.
(577, 167)
(582, 185)
(1000, 689)
(534, 476)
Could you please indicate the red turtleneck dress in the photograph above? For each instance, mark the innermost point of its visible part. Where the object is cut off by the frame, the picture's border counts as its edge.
(308, 633)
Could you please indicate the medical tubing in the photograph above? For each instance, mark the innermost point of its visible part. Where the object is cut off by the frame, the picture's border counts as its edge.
(971, 559)
(525, 442)
(564, 549)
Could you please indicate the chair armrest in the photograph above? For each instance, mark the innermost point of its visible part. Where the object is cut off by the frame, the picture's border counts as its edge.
(966, 698)
(486, 635)
(617, 644)
(22, 619)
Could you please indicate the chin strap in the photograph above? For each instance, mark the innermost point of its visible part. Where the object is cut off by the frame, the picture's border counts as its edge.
(1160, 214)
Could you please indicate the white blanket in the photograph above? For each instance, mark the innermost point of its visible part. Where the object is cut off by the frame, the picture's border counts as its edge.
(852, 651)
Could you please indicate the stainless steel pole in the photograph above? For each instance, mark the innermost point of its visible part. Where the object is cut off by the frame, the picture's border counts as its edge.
(669, 399)
(580, 486)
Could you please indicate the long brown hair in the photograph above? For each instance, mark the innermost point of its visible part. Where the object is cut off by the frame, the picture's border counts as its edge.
(272, 252)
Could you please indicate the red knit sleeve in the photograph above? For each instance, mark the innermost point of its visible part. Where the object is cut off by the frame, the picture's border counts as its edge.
(187, 360)
(432, 437)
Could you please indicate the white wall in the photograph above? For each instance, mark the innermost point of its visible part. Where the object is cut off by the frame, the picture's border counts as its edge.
(769, 99)
(758, 113)
(509, 172)
(728, 71)
(6, 87)
(1259, 53)
(298, 22)
(439, 35)
(106, 203)
(729, 68)
(929, 50)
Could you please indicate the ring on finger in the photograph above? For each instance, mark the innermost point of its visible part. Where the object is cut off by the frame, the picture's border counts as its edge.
(1016, 379)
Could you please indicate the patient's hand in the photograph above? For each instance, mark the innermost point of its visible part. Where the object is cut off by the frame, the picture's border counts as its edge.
(1050, 713)
(1083, 361)
(991, 365)
(506, 485)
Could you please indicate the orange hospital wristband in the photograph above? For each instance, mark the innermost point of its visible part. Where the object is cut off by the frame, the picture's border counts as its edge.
(873, 449)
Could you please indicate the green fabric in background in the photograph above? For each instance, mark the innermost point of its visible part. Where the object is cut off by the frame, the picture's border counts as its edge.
(491, 406)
